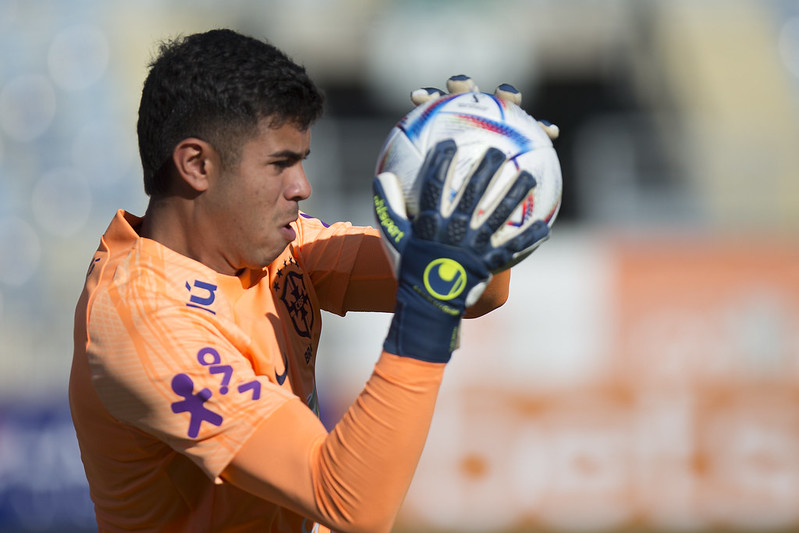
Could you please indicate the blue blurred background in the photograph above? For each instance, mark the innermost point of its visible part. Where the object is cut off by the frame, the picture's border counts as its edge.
(679, 120)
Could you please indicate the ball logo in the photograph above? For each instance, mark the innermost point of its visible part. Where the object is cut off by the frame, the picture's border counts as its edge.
(444, 278)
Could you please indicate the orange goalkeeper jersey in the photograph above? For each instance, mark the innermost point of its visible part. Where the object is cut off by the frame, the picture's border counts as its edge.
(175, 366)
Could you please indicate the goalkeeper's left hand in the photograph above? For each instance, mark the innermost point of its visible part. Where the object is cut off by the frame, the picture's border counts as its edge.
(445, 254)
(462, 83)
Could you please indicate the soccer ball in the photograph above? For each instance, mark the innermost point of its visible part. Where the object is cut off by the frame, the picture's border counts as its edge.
(476, 121)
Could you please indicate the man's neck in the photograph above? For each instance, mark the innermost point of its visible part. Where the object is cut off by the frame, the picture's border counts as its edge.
(170, 221)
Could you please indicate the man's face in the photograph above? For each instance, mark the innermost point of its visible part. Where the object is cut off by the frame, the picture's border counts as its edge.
(252, 203)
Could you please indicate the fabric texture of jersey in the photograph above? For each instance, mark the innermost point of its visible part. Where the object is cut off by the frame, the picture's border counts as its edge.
(176, 365)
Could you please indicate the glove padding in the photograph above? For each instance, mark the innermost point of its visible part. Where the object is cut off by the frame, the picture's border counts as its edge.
(462, 83)
(444, 257)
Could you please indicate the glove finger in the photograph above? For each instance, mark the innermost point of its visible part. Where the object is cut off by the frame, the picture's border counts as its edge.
(517, 192)
(425, 94)
(508, 92)
(472, 191)
(389, 209)
(517, 249)
(433, 174)
(552, 131)
(461, 83)
(528, 240)
(476, 185)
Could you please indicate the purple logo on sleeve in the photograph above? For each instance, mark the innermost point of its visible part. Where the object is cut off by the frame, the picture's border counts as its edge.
(193, 404)
(211, 361)
(202, 295)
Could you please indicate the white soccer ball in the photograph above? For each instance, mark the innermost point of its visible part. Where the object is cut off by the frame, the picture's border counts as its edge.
(476, 121)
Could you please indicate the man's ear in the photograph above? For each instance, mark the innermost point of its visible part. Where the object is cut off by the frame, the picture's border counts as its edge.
(195, 161)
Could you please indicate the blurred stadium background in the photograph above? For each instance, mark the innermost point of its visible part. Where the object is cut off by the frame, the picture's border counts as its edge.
(644, 375)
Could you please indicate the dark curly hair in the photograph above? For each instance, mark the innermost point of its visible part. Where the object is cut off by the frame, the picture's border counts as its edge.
(217, 86)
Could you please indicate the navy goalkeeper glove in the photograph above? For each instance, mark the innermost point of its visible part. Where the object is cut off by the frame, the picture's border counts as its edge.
(445, 256)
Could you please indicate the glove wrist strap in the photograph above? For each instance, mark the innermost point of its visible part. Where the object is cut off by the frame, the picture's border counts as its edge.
(420, 330)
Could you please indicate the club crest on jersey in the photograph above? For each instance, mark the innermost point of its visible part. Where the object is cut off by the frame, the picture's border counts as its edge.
(290, 288)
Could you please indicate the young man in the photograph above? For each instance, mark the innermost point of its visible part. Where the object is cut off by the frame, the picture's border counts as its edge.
(192, 387)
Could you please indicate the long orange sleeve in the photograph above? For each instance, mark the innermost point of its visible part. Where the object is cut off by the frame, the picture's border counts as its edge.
(355, 478)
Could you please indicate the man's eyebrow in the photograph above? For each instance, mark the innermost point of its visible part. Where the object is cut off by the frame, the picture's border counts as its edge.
(290, 154)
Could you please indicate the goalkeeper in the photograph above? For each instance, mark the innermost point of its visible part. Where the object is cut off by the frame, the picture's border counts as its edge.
(192, 386)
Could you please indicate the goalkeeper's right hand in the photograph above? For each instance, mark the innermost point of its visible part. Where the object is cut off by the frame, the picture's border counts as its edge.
(445, 256)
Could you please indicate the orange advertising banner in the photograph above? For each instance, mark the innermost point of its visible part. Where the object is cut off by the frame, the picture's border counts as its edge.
(708, 343)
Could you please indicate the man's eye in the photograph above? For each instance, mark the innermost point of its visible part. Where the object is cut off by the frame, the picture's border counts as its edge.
(284, 163)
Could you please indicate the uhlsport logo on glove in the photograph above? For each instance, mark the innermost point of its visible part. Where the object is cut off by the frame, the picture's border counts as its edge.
(444, 278)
